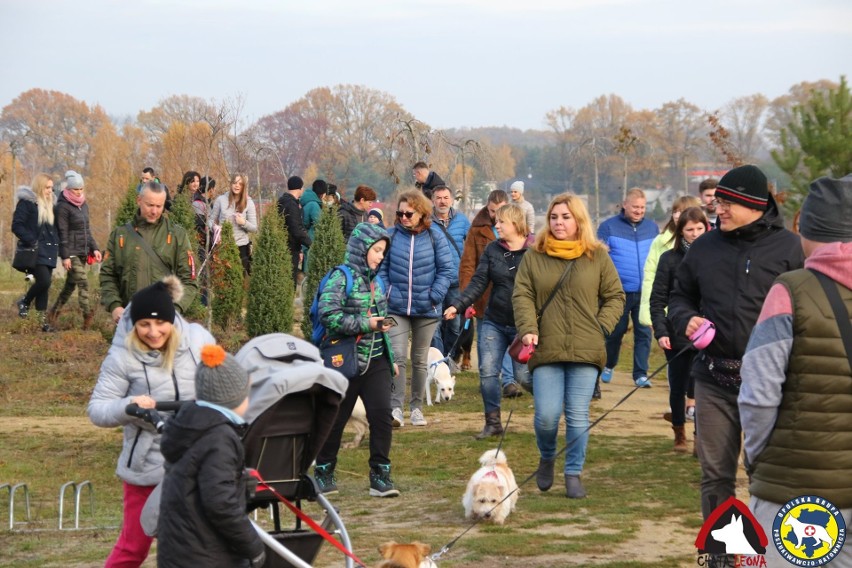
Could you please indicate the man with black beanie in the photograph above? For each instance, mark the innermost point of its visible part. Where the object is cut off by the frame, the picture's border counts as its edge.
(291, 212)
(795, 402)
(724, 278)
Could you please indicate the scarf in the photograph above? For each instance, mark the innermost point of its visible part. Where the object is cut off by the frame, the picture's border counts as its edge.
(567, 250)
(73, 199)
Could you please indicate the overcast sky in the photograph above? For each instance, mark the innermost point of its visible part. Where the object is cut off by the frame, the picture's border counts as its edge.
(451, 63)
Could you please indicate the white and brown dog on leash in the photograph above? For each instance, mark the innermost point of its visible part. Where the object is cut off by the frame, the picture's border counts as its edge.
(438, 373)
(485, 497)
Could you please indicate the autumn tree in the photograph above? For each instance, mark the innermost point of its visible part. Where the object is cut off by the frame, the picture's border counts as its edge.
(743, 118)
(818, 141)
(680, 135)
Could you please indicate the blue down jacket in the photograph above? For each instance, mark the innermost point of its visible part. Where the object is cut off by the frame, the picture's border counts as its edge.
(629, 245)
(417, 271)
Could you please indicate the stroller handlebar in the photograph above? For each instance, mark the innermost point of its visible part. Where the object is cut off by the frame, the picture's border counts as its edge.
(151, 415)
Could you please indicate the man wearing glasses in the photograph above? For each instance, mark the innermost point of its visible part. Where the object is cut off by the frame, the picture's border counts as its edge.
(724, 278)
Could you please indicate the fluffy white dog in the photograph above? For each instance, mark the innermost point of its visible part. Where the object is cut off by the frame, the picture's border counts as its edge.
(488, 487)
(439, 374)
(357, 422)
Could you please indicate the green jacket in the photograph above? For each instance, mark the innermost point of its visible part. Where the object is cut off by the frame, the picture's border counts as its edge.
(127, 268)
(587, 306)
(662, 243)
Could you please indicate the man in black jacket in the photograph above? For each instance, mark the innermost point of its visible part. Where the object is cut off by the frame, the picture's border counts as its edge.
(425, 180)
(724, 278)
(290, 209)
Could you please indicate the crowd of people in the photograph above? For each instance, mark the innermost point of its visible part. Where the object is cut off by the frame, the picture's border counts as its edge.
(569, 292)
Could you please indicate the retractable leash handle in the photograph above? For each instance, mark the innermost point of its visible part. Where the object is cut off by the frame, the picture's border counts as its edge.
(703, 336)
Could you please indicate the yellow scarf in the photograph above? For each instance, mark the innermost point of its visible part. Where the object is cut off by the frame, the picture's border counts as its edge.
(567, 250)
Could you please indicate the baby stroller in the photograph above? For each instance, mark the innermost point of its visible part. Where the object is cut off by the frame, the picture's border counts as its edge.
(292, 406)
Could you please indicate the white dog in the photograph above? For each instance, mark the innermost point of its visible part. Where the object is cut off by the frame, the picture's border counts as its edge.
(801, 530)
(733, 537)
(489, 486)
(438, 372)
(358, 422)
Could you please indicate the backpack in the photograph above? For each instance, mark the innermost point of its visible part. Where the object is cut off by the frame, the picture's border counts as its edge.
(319, 332)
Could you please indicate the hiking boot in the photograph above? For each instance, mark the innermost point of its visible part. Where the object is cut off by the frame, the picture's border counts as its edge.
(512, 391)
(88, 318)
(642, 382)
(396, 418)
(493, 425)
(596, 394)
(53, 314)
(324, 474)
(606, 376)
(381, 484)
(23, 307)
(544, 474)
(680, 445)
(573, 488)
(465, 364)
(417, 418)
(45, 325)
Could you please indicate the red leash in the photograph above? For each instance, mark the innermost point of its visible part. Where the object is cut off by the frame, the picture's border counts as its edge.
(307, 519)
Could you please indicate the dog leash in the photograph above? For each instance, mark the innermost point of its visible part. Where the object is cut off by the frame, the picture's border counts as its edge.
(306, 518)
(446, 548)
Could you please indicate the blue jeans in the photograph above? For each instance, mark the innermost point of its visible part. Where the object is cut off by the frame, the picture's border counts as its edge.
(507, 371)
(447, 332)
(563, 388)
(493, 341)
(641, 338)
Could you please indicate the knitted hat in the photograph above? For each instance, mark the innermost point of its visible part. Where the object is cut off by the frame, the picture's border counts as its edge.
(745, 185)
(295, 182)
(517, 186)
(827, 211)
(73, 180)
(157, 301)
(376, 213)
(220, 379)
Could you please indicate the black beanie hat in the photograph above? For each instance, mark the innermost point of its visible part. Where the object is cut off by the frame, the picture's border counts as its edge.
(295, 182)
(745, 185)
(157, 301)
(827, 211)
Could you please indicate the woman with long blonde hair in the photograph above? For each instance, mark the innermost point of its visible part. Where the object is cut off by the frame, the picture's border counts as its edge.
(567, 296)
(237, 208)
(34, 225)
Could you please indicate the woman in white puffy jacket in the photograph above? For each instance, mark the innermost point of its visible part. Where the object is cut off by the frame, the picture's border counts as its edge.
(153, 357)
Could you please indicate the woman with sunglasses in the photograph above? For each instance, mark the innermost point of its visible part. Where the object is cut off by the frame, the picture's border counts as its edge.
(417, 270)
(497, 268)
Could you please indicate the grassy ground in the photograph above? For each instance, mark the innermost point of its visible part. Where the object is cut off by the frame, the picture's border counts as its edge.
(642, 508)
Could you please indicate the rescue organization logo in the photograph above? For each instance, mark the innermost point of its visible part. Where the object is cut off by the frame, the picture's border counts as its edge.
(731, 536)
(808, 531)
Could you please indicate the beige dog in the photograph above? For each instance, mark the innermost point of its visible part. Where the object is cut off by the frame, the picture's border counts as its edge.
(357, 422)
(414, 555)
(438, 372)
(485, 497)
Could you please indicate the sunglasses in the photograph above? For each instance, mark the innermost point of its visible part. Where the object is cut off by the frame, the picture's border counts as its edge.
(406, 214)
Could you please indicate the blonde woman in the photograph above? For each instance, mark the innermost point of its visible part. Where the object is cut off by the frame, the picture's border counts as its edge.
(153, 357)
(34, 224)
(237, 208)
(571, 267)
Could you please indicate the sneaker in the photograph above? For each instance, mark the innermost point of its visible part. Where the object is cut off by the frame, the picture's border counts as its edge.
(642, 382)
(417, 418)
(381, 484)
(606, 376)
(397, 420)
(23, 308)
(690, 413)
(326, 481)
(512, 391)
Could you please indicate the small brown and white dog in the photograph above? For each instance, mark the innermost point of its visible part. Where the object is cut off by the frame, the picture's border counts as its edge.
(414, 555)
(488, 487)
(357, 422)
(438, 372)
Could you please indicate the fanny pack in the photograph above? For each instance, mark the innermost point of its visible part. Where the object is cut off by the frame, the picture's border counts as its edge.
(726, 372)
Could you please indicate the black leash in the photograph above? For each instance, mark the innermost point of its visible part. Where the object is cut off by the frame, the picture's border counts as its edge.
(444, 549)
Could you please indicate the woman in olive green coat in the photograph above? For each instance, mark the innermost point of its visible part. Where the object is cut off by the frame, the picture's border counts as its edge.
(570, 335)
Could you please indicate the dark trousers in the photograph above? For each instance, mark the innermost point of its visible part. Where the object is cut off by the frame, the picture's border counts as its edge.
(374, 388)
(680, 378)
(40, 288)
(245, 258)
(641, 337)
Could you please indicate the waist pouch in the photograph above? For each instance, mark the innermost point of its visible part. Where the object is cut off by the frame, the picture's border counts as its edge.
(726, 372)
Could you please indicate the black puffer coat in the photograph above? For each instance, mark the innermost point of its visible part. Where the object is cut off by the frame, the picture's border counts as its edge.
(26, 227)
(498, 266)
(203, 519)
(75, 231)
(664, 282)
(726, 275)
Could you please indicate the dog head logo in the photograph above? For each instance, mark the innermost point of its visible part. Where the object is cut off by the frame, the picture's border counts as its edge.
(808, 529)
(731, 529)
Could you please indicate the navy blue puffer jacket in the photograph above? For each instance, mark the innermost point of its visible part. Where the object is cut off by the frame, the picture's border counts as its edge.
(417, 271)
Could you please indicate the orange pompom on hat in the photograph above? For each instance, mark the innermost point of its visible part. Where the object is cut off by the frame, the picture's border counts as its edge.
(220, 379)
